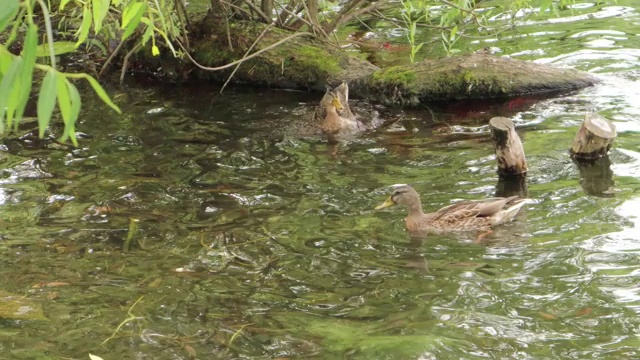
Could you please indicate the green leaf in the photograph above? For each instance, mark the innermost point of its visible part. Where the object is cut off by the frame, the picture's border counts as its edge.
(76, 102)
(63, 3)
(148, 33)
(8, 11)
(64, 101)
(83, 31)
(100, 10)
(6, 86)
(59, 48)
(6, 59)
(14, 94)
(545, 5)
(101, 93)
(131, 16)
(46, 100)
(29, 49)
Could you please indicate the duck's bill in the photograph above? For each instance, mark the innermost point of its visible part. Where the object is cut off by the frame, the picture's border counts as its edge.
(336, 102)
(385, 204)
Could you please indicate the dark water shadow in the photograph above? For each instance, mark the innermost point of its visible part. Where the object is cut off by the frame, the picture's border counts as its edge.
(596, 177)
(512, 185)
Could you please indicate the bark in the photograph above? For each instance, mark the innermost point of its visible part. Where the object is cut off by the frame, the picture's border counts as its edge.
(594, 138)
(508, 147)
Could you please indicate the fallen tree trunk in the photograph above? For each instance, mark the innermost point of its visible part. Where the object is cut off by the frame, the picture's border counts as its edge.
(307, 62)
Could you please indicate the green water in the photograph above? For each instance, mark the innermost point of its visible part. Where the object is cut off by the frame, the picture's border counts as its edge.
(197, 225)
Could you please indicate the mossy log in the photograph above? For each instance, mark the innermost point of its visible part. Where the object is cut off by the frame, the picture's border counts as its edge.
(473, 76)
(594, 138)
(307, 62)
(508, 147)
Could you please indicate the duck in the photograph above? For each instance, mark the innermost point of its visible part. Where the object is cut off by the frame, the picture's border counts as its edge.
(473, 215)
(334, 115)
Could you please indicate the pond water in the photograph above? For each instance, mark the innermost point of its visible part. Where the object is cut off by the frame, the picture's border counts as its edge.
(197, 225)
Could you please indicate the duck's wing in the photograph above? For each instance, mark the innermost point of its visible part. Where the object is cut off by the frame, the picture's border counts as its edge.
(472, 209)
(321, 110)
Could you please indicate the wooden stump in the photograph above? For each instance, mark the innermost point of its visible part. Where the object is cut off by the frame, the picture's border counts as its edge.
(596, 177)
(508, 147)
(594, 138)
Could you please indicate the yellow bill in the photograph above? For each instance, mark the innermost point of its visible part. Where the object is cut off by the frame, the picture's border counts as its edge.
(336, 102)
(386, 204)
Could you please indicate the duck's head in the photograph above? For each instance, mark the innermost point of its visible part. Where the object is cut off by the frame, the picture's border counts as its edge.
(335, 102)
(402, 195)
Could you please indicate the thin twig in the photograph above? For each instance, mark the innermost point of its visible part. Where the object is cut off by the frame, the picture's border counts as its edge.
(310, 24)
(47, 24)
(262, 15)
(290, 22)
(473, 14)
(184, 21)
(243, 59)
(236, 7)
(184, 12)
(282, 18)
(346, 9)
(350, 15)
(125, 62)
(380, 15)
(110, 58)
(245, 55)
(226, 25)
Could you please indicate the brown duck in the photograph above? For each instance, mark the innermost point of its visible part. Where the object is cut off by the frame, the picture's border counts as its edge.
(334, 115)
(461, 216)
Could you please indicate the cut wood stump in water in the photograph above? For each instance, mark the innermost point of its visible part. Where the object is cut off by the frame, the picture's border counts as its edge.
(508, 147)
(594, 138)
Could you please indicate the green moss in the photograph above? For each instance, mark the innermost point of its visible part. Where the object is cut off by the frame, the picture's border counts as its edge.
(318, 59)
(395, 75)
(468, 77)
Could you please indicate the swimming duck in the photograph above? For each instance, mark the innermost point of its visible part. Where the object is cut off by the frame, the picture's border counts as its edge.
(334, 115)
(461, 216)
